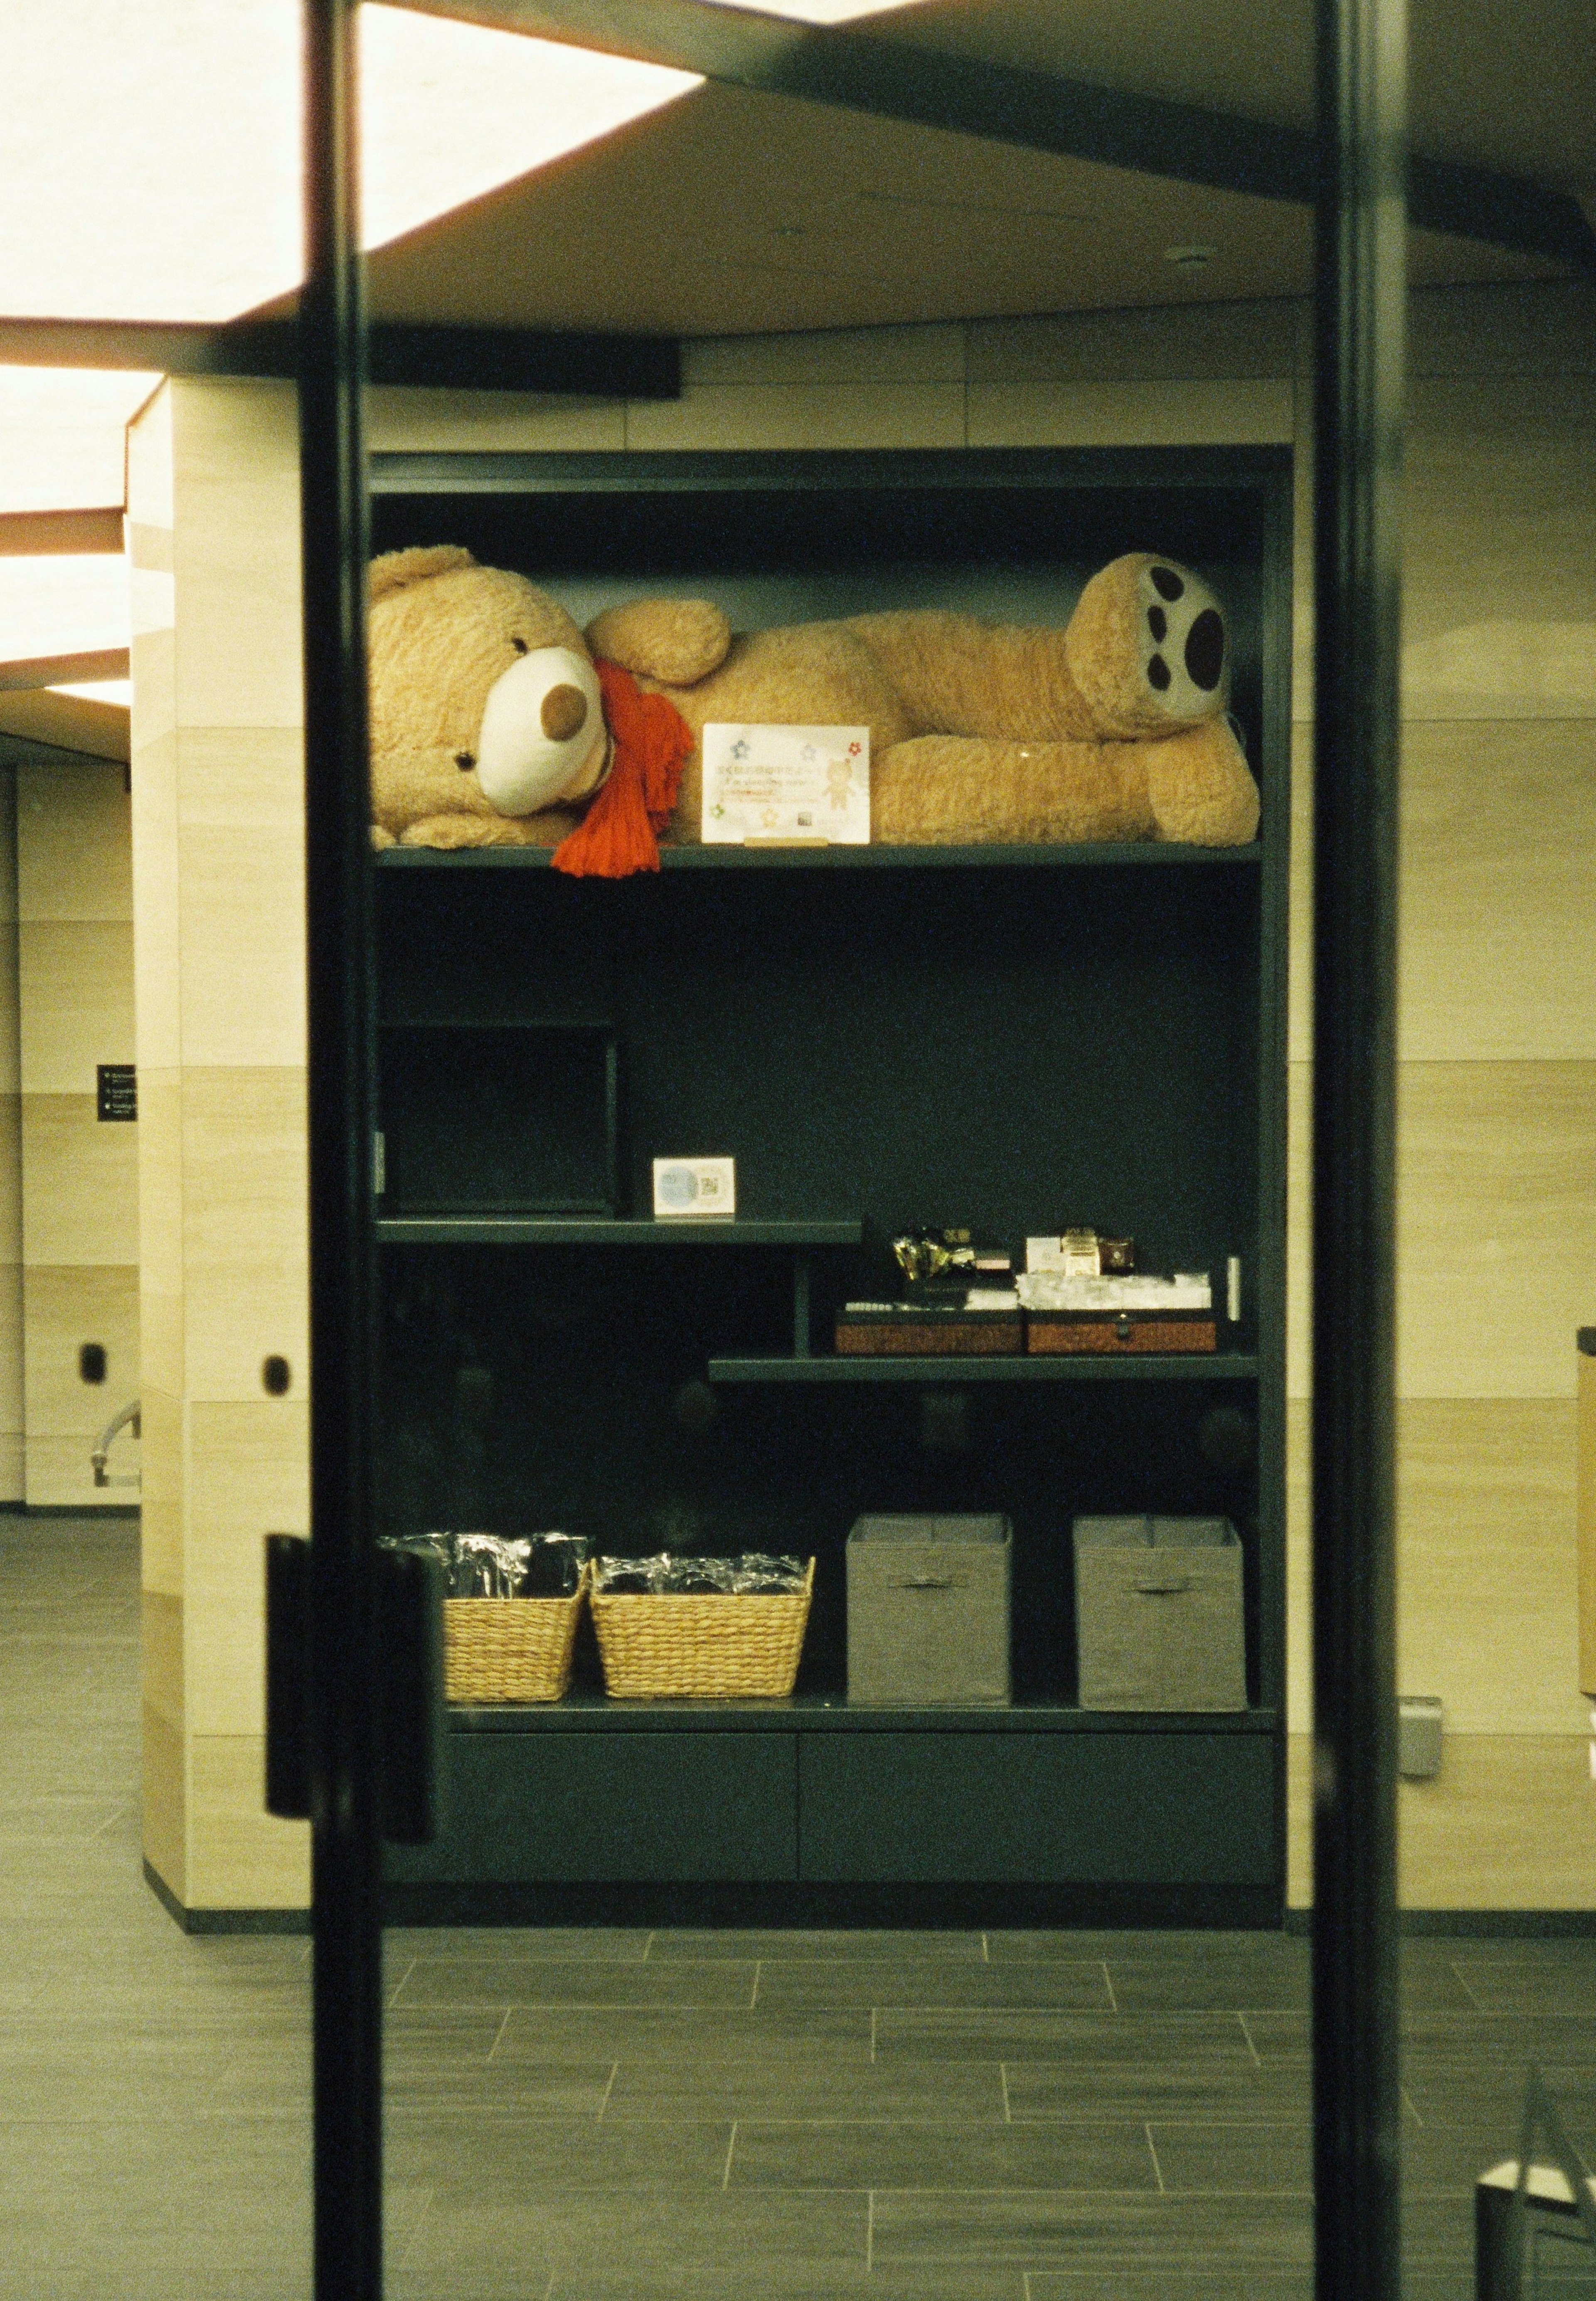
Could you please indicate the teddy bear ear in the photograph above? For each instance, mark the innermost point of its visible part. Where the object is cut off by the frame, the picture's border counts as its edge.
(393, 571)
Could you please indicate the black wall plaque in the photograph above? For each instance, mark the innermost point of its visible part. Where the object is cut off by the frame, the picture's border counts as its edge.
(117, 1091)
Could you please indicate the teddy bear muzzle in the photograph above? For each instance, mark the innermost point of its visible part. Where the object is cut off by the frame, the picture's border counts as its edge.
(543, 734)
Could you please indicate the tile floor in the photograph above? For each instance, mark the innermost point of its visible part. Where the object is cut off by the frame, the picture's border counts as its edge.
(623, 2116)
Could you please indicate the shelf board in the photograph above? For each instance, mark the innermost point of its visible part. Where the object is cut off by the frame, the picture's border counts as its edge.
(1196, 1365)
(510, 1230)
(1138, 854)
(586, 1710)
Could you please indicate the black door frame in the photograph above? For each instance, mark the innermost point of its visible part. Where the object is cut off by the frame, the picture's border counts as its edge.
(1359, 295)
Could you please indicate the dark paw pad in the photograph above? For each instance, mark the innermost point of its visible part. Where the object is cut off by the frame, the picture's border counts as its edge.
(1205, 650)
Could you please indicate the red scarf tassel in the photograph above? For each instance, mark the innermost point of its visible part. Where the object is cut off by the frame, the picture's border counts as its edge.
(619, 833)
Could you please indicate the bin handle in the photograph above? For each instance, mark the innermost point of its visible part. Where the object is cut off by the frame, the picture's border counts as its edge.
(928, 1582)
(1166, 1589)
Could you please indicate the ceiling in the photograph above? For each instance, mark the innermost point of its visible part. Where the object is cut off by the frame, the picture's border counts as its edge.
(733, 212)
(1503, 83)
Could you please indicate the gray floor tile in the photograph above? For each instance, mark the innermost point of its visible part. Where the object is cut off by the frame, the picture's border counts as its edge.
(808, 2083)
(448, 1944)
(1244, 2282)
(687, 2036)
(511, 2157)
(664, 2243)
(477, 1979)
(1188, 2092)
(1563, 1985)
(1026, 1943)
(932, 2033)
(883, 1981)
(886, 2155)
(773, 1943)
(852, 2281)
(1046, 2230)
(1235, 2160)
(1208, 1984)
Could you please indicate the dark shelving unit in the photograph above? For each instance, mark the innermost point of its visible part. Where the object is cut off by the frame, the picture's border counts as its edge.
(1150, 853)
(1013, 1037)
(661, 1231)
(1216, 1366)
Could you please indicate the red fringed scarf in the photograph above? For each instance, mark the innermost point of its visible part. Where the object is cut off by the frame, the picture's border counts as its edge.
(619, 833)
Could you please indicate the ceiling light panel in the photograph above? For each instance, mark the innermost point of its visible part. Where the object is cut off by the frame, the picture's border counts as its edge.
(60, 436)
(75, 606)
(159, 177)
(822, 11)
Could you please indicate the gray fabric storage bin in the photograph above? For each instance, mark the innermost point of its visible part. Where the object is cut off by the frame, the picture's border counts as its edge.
(1158, 1616)
(928, 1610)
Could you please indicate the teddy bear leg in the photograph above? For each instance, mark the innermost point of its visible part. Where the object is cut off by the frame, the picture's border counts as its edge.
(1200, 789)
(945, 789)
(457, 831)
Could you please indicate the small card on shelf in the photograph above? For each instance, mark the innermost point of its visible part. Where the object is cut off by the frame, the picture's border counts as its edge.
(691, 1189)
(786, 786)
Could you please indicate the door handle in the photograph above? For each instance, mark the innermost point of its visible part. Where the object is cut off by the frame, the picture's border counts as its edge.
(409, 1690)
(288, 1677)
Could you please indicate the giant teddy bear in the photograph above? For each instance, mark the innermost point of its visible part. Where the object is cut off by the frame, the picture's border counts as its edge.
(496, 721)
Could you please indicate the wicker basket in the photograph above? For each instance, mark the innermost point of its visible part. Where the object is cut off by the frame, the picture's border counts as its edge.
(705, 1648)
(510, 1649)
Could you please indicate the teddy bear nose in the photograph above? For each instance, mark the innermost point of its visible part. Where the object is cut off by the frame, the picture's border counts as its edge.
(564, 714)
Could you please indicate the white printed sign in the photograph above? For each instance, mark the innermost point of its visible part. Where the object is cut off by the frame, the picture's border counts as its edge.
(788, 785)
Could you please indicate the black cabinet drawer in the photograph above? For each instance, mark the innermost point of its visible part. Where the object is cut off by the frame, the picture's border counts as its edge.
(569, 1808)
(1045, 1809)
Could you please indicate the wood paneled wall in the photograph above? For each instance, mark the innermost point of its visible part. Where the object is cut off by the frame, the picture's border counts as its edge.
(218, 877)
(1497, 1174)
(80, 1173)
(11, 1157)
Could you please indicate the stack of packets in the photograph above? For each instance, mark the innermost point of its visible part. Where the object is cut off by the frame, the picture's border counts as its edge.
(1083, 1294)
(503, 1566)
(754, 1574)
(1078, 1293)
(959, 1302)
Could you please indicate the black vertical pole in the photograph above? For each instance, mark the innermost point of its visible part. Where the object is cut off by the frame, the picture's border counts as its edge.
(347, 1921)
(1360, 323)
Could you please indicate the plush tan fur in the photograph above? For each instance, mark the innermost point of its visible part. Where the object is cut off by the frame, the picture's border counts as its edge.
(978, 731)
(442, 630)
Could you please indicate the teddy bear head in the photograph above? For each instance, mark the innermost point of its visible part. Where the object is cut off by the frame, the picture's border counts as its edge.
(484, 697)
(1148, 648)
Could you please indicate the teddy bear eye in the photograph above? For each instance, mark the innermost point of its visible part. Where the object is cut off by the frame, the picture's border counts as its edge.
(465, 760)
(519, 646)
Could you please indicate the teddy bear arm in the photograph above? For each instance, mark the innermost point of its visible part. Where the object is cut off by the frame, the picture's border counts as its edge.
(959, 675)
(678, 641)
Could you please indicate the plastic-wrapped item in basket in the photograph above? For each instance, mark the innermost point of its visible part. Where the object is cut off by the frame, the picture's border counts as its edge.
(701, 1629)
(509, 1620)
